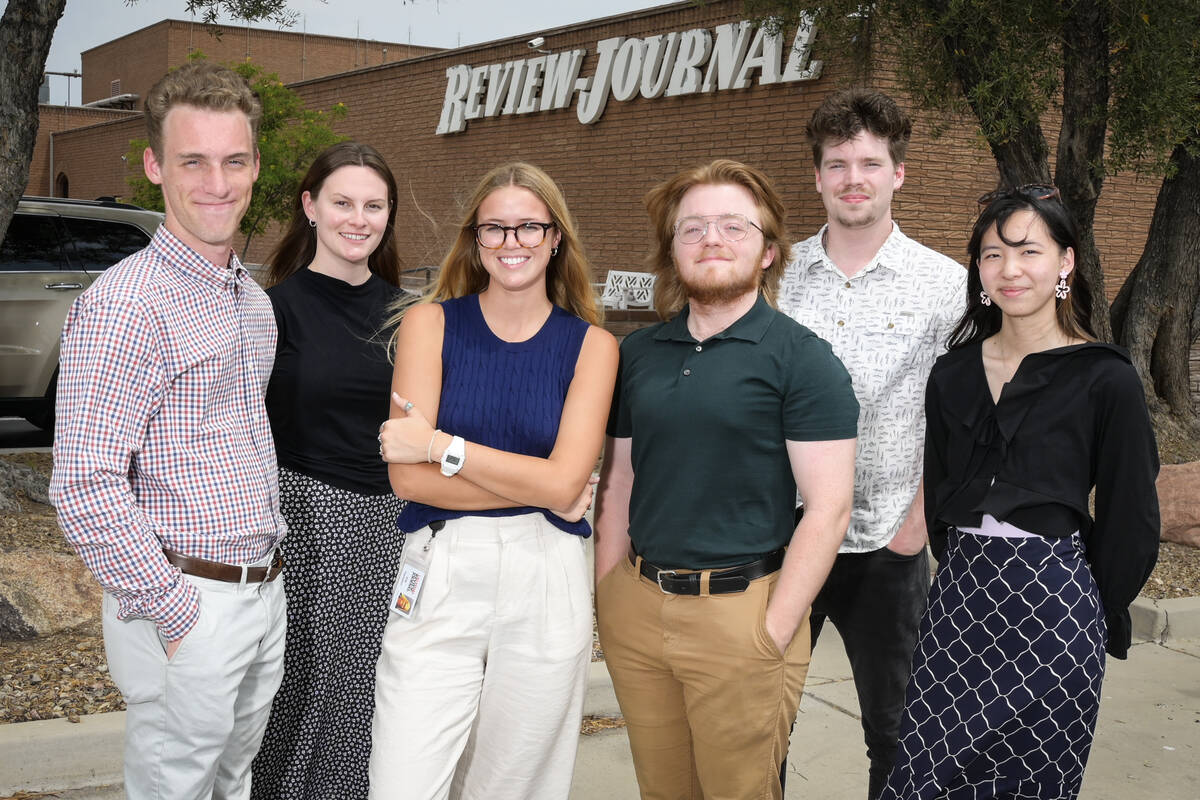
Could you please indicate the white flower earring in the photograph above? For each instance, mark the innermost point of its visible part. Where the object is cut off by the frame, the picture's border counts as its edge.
(1061, 290)
(983, 298)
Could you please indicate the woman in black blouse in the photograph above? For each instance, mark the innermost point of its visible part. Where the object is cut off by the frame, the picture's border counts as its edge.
(332, 278)
(1025, 415)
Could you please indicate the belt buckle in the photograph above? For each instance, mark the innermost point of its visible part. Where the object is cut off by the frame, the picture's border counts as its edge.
(658, 579)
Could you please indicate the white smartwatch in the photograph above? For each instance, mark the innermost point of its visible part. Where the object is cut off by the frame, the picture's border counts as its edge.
(454, 456)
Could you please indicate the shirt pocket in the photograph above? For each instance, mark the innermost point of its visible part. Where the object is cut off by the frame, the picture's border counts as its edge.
(893, 332)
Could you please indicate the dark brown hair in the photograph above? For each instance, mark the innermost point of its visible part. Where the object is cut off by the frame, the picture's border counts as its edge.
(298, 246)
(844, 114)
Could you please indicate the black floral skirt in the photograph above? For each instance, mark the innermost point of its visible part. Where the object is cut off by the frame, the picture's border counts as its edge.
(341, 555)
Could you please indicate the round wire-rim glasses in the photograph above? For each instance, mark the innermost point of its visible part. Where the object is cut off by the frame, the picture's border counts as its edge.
(732, 227)
(528, 234)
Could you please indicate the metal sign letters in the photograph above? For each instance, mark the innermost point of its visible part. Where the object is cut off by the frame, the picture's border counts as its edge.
(673, 64)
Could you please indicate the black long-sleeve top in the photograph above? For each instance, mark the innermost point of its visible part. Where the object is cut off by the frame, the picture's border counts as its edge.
(1070, 419)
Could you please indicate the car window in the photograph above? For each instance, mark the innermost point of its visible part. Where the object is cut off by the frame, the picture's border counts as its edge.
(101, 243)
(31, 245)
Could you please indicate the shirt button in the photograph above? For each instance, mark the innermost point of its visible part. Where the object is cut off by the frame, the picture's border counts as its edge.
(891, 324)
(847, 284)
(687, 372)
(840, 323)
(699, 348)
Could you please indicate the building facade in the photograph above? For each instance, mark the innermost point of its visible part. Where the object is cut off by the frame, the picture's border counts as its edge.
(610, 107)
(132, 63)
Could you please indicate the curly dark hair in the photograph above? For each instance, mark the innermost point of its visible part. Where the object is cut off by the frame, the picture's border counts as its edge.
(844, 114)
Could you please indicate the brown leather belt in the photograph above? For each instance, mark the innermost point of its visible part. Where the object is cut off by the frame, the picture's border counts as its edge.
(228, 573)
(721, 581)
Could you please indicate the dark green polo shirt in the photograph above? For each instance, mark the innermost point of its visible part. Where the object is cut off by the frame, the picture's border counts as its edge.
(712, 483)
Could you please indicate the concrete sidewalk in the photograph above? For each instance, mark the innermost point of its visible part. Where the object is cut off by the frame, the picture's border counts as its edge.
(1147, 743)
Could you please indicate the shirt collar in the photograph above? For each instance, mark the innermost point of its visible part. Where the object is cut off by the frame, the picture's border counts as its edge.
(751, 326)
(890, 254)
(191, 263)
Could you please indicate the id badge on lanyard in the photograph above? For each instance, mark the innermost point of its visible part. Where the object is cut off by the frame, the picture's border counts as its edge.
(413, 569)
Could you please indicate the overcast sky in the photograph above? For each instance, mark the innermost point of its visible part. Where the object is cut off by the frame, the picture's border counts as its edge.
(438, 23)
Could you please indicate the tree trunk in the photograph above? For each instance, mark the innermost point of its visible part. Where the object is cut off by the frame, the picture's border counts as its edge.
(1152, 314)
(25, 33)
(1079, 170)
(1022, 157)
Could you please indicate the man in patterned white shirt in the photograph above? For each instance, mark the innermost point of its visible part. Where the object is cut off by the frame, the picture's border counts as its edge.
(887, 305)
(164, 466)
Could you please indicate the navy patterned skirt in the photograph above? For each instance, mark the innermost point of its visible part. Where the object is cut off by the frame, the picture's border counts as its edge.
(1006, 677)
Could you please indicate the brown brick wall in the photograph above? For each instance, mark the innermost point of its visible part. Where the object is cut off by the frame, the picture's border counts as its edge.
(606, 168)
(52, 120)
(140, 58)
(137, 60)
(91, 157)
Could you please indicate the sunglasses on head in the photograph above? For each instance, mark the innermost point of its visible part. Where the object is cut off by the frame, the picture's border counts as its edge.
(1030, 191)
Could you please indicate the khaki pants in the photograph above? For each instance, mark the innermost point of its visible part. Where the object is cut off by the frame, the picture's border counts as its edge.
(708, 698)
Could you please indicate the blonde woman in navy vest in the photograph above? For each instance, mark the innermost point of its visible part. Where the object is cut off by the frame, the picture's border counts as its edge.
(502, 386)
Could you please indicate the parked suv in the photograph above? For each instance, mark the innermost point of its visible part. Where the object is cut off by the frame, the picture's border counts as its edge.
(53, 250)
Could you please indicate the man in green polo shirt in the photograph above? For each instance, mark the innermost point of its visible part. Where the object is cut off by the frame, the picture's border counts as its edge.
(703, 583)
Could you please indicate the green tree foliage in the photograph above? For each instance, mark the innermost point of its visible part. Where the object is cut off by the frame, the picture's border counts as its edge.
(289, 137)
(274, 11)
(1123, 74)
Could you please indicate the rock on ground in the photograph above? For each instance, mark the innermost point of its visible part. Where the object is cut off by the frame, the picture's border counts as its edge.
(43, 593)
(1179, 502)
(17, 479)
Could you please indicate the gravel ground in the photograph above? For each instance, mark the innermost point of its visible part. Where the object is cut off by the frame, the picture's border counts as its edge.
(66, 675)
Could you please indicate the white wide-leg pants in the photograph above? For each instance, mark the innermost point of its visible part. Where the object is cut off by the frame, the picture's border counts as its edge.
(480, 694)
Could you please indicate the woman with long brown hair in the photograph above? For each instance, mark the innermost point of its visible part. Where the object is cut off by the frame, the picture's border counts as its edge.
(333, 276)
(502, 386)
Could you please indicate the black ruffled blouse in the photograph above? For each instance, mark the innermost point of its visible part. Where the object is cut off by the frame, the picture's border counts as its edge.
(1070, 419)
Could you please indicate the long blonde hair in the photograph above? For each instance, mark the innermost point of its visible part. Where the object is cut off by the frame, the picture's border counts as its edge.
(662, 202)
(568, 275)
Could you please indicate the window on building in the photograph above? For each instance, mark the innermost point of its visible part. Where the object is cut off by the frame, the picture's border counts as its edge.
(114, 88)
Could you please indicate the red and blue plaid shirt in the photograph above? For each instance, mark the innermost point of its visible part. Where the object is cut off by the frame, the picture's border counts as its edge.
(162, 436)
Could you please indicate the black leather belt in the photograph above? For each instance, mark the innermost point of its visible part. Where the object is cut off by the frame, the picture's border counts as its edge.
(720, 581)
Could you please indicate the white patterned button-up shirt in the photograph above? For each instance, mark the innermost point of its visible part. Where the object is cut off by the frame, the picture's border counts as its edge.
(162, 437)
(887, 324)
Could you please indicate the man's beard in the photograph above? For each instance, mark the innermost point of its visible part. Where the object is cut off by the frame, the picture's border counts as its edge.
(715, 294)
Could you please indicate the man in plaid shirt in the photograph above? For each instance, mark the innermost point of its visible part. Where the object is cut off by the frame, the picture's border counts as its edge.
(165, 474)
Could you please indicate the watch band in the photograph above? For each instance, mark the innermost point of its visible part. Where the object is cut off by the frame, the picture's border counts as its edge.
(454, 456)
